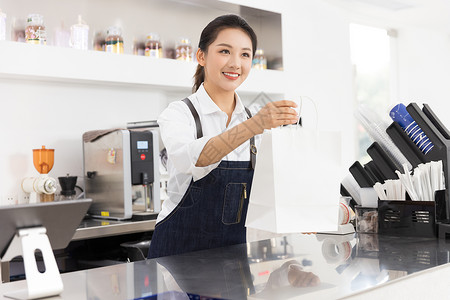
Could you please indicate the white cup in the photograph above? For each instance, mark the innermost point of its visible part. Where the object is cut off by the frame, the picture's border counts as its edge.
(369, 197)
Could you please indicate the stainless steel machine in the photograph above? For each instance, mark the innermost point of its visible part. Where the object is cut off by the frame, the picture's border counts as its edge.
(121, 171)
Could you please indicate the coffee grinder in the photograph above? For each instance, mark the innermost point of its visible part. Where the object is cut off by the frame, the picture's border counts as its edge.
(42, 185)
(67, 184)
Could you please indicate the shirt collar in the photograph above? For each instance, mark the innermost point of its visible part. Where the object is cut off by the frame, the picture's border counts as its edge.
(208, 106)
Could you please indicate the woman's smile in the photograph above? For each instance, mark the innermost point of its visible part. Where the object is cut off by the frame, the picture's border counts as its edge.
(231, 75)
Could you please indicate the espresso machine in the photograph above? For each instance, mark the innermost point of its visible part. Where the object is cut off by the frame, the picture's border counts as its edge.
(121, 172)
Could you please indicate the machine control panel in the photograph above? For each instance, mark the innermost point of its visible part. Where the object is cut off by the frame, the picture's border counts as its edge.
(142, 168)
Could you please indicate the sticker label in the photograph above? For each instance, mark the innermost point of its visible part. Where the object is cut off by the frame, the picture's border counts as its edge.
(111, 156)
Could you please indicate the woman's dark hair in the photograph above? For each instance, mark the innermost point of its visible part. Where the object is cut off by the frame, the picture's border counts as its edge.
(209, 35)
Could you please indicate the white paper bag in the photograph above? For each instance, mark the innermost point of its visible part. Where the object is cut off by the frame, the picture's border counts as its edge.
(296, 183)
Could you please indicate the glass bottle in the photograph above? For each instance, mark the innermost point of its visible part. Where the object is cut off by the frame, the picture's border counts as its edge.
(79, 34)
(138, 47)
(18, 30)
(114, 40)
(184, 50)
(35, 31)
(62, 36)
(153, 47)
(259, 60)
(99, 41)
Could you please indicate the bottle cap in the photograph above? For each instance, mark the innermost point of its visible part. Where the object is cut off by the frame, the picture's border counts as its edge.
(259, 52)
(81, 23)
(35, 19)
(185, 41)
(113, 30)
(153, 36)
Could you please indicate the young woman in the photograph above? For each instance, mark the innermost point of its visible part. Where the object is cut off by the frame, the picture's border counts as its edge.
(210, 141)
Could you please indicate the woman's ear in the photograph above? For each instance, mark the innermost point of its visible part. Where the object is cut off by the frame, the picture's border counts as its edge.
(200, 57)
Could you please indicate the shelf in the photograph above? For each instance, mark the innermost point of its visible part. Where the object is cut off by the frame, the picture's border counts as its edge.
(68, 65)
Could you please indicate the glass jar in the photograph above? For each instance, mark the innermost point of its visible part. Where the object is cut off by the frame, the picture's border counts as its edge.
(114, 41)
(18, 30)
(153, 47)
(99, 41)
(184, 50)
(138, 47)
(366, 219)
(79, 35)
(35, 31)
(259, 60)
(62, 37)
(2, 26)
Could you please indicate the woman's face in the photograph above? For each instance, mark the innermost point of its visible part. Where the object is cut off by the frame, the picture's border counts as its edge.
(228, 60)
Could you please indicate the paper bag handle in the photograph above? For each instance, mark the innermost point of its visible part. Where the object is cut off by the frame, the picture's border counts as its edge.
(315, 108)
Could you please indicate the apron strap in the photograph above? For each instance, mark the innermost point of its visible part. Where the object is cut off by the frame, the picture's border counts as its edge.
(253, 149)
(198, 125)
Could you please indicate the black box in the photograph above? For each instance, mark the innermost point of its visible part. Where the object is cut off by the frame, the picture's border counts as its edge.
(407, 218)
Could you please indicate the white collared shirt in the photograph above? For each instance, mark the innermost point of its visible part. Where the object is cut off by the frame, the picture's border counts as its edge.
(179, 135)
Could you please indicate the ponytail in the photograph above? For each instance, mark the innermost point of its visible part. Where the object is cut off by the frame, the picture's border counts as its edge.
(199, 77)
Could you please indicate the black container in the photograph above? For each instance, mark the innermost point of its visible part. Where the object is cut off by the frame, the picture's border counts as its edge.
(438, 134)
(67, 184)
(407, 218)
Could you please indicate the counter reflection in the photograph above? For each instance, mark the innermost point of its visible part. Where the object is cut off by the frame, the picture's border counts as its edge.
(313, 267)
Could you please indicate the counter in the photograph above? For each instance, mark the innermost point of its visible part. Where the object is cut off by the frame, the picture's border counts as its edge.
(97, 228)
(91, 228)
(344, 267)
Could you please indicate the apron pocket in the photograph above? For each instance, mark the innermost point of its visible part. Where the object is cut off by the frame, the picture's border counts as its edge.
(233, 202)
(191, 197)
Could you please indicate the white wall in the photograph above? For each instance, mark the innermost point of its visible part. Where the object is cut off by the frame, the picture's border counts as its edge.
(36, 113)
(424, 69)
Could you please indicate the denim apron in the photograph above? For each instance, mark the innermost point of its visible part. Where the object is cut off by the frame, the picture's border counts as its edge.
(212, 212)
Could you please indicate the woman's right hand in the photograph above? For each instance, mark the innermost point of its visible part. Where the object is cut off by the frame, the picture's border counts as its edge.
(275, 114)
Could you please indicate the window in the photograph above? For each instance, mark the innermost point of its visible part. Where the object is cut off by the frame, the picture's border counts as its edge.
(372, 76)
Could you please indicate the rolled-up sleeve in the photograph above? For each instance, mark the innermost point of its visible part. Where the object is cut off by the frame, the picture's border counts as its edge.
(178, 133)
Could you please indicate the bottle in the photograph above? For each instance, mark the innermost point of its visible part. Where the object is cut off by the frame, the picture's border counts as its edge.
(184, 50)
(153, 47)
(114, 41)
(138, 47)
(18, 30)
(259, 60)
(400, 115)
(2, 26)
(62, 36)
(79, 34)
(35, 31)
(99, 41)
